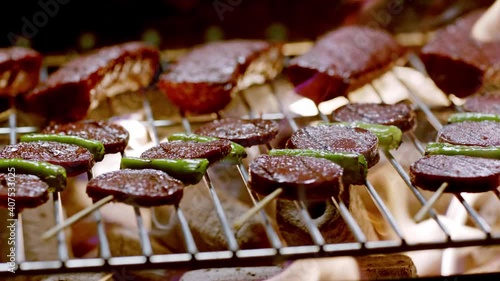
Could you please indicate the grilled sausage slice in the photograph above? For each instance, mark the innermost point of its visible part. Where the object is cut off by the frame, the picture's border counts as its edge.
(337, 139)
(487, 103)
(300, 177)
(113, 137)
(400, 115)
(30, 191)
(213, 151)
(244, 132)
(145, 188)
(485, 133)
(462, 173)
(74, 159)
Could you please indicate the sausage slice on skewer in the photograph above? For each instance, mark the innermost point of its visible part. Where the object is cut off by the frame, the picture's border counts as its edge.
(74, 159)
(145, 188)
(113, 137)
(337, 139)
(244, 132)
(30, 191)
(212, 151)
(462, 173)
(400, 115)
(300, 177)
(485, 133)
(487, 103)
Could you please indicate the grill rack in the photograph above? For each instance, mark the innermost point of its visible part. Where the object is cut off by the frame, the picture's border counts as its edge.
(233, 255)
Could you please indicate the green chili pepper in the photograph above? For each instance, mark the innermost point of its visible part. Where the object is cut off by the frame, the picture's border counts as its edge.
(189, 171)
(472, 116)
(95, 147)
(451, 149)
(53, 175)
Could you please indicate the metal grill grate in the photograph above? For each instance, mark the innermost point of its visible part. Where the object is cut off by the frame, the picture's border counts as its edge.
(234, 256)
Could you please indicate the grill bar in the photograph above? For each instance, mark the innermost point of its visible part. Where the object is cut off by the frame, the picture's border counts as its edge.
(219, 209)
(188, 235)
(351, 222)
(311, 227)
(418, 145)
(418, 101)
(143, 234)
(231, 240)
(384, 210)
(104, 250)
(101, 230)
(271, 233)
(344, 211)
(62, 248)
(480, 222)
(342, 208)
(415, 191)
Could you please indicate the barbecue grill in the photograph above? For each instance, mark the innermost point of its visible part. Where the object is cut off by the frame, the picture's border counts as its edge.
(276, 96)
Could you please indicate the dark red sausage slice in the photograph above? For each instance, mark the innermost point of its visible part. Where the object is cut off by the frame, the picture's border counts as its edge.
(144, 188)
(213, 151)
(462, 173)
(301, 177)
(486, 133)
(337, 139)
(114, 137)
(75, 159)
(488, 103)
(30, 191)
(400, 115)
(244, 132)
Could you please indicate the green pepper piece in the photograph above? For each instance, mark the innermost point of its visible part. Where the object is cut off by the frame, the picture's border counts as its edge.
(434, 148)
(189, 171)
(472, 116)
